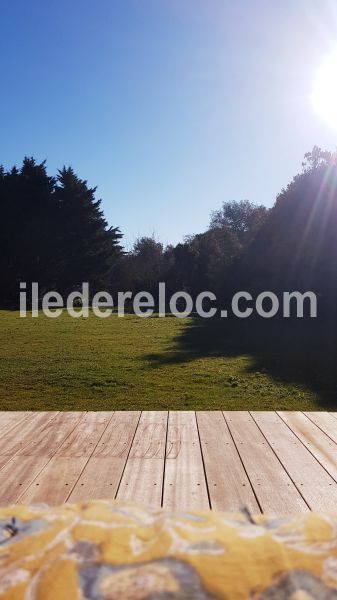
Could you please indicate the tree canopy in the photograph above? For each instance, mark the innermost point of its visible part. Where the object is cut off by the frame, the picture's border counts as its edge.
(296, 248)
(52, 231)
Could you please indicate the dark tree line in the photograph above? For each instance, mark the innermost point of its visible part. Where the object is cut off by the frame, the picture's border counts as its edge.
(52, 230)
(290, 247)
(296, 249)
(201, 262)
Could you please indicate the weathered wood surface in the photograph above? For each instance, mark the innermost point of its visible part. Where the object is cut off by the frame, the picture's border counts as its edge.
(273, 462)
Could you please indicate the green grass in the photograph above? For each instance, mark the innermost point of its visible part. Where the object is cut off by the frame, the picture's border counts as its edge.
(133, 363)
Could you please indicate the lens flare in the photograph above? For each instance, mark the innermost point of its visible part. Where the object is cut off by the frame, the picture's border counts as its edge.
(324, 94)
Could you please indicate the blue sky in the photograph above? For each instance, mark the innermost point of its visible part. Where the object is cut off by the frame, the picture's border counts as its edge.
(168, 106)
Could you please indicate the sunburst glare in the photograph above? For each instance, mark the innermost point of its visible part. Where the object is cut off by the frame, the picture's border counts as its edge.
(324, 94)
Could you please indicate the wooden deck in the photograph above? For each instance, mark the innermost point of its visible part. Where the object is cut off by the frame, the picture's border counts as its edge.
(284, 462)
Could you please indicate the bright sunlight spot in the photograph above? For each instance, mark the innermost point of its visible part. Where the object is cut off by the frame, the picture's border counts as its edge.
(324, 95)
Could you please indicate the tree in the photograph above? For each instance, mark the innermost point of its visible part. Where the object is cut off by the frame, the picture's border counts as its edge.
(52, 231)
(244, 219)
(141, 269)
(27, 227)
(87, 247)
(200, 263)
(296, 248)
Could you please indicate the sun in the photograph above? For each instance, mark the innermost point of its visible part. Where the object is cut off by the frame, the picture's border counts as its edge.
(324, 94)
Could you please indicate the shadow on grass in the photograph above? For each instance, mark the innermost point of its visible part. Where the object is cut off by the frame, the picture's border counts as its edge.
(296, 351)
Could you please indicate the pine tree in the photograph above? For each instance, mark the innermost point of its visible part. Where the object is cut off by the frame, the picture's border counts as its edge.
(52, 231)
(26, 229)
(87, 247)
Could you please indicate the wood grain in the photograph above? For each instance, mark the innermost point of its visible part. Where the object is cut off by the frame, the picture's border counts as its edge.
(29, 460)
(273, 487)
(228, 484)
(282, 463)
(326, 422)
(314, 439)
(142, 479)
(316, 486)
(56, 481)
(185, 483)
(102, 474)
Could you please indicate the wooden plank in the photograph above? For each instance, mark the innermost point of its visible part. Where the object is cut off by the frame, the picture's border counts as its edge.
(283, 458)
(47, 441)
(317, 487)
(185, 484)
(324, 421)
(313, 438)
(228, 484)
(142, 479)
(101, 477)
(22, 469)
(10, 419)
(55, 482)
(15, 439)
(273, 487)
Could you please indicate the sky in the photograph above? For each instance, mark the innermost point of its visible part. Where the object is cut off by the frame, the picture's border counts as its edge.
(169, 107)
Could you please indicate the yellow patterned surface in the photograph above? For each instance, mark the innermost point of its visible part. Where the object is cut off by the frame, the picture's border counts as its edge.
(111, 551)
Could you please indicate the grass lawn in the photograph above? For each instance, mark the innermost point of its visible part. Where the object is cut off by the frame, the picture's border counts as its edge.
(133, 363)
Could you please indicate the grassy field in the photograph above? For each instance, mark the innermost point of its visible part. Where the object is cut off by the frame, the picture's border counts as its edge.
(133, 363)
